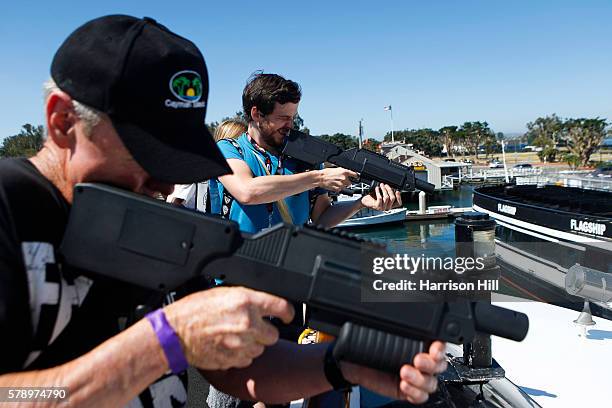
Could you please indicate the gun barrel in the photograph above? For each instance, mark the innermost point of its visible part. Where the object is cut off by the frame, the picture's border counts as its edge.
(424, 186)
(500, 321)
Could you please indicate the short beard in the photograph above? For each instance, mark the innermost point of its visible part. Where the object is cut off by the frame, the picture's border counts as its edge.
(269, 139)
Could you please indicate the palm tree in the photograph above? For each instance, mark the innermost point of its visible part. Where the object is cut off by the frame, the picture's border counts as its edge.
(179, 84)
(197, 85)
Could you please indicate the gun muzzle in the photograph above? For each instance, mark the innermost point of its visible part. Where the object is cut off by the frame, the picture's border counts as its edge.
(501, 322)
(424, 186)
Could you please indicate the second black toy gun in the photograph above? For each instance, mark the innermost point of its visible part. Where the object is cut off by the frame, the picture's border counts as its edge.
(372, 167)
(159, 247)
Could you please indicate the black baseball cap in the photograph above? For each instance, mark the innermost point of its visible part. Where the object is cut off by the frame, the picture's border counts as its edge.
(153, 84)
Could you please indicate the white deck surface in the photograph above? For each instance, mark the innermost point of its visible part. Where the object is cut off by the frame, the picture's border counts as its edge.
(559, 364)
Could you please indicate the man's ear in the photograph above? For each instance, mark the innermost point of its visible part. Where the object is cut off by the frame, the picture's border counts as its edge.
(61, 119)
(256, 114)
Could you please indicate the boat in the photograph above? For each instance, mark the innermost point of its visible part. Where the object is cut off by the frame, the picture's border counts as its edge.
(548, 236)
(366, 217)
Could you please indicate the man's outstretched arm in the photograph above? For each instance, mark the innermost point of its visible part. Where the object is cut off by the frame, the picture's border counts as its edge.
(383, 198)
(251, 190)
(289, 371)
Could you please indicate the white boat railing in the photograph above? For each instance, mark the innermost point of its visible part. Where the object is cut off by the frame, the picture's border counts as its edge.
(569, 180)
(500, 173)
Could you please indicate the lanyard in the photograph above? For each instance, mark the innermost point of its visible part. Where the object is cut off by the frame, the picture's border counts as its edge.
(268, 165)
(266, 155)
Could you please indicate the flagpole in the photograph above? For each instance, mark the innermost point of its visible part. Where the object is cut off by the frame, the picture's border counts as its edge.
(391, 110)
(360, 133)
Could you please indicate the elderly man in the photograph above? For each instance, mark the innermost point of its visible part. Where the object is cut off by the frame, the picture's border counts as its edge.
(126, 107)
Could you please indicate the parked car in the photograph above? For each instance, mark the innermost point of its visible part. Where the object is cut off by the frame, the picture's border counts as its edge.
(603, 172)
(523, 166)
(496, 164)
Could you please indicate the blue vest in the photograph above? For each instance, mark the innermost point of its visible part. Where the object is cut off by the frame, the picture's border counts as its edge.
(254, 218)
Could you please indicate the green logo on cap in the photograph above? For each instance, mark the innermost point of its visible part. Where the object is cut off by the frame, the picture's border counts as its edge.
(186, 86)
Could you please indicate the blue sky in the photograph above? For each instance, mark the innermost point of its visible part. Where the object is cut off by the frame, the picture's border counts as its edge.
(436, 62)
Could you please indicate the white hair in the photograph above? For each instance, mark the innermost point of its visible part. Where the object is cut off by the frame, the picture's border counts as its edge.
(90, 116)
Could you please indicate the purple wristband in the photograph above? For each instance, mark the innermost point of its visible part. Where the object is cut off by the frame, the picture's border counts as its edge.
(169, 341)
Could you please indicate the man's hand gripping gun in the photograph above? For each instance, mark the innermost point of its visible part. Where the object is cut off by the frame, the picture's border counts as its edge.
(373, 168)
(159, 247)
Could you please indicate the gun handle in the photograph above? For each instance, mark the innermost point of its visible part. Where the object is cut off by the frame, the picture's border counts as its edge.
(376, 349)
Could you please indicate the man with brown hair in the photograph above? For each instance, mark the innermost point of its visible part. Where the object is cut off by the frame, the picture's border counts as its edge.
(266, 188)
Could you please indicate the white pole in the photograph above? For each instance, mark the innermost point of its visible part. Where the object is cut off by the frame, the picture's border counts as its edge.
(422, 202)
(360, 133)
(504, 159)
(391, 110)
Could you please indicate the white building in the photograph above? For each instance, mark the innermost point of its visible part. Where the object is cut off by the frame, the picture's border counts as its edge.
(441, 174)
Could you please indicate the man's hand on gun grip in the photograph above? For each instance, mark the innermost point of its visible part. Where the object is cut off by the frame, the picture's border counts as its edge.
(224, 328)
(336, 178)
(415, 382)
(382, 198)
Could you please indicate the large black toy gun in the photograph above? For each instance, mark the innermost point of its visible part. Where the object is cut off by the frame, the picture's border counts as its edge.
(372, 167)
(159, 247)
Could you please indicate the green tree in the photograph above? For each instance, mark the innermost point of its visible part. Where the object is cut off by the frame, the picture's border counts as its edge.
(212, 126)
(491, 144)
(240, 115)
(459, 140)
(448, 138)
(548, 127)
(548, 153)
(26, 143)
(572, 160)
(341, 140)
(584, 136)
(545, 133)
(475, 134)
(427, 140)
(371, 144)
(298, 122)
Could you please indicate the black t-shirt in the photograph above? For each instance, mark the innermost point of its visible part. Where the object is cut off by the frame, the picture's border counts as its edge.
(50, 314)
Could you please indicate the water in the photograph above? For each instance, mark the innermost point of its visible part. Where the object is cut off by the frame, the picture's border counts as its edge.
(431, 238)
(461, 197)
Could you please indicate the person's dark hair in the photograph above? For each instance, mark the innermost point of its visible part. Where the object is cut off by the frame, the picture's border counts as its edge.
(263, 90)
